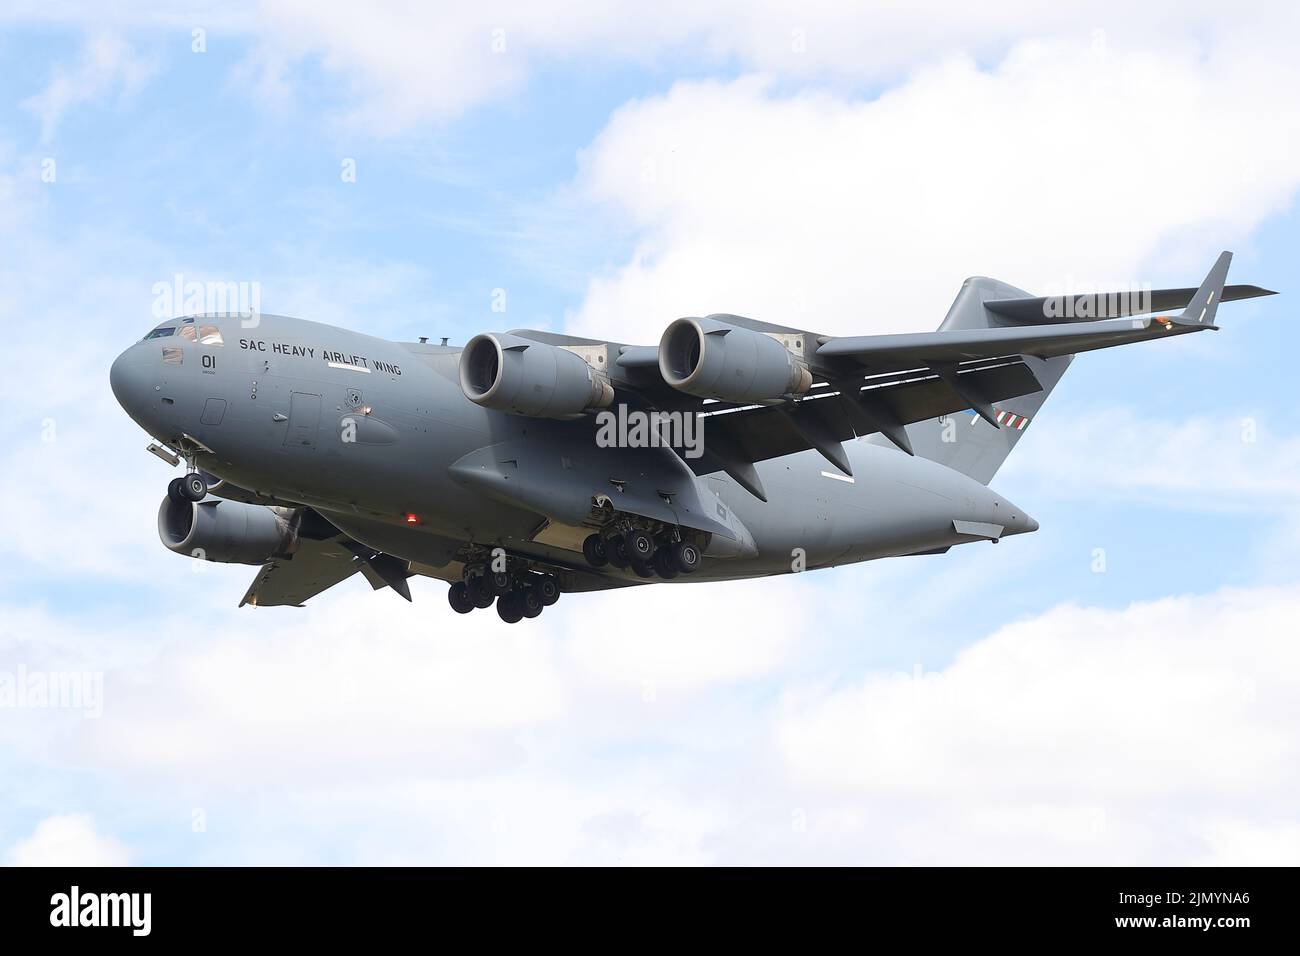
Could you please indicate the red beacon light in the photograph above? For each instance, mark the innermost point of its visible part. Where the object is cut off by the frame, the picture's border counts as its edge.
(412, 518)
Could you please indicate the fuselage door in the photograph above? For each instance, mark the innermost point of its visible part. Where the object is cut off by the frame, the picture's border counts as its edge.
(304, 420)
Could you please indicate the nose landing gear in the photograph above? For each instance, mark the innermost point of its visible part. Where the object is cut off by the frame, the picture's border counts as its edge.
(192, 487)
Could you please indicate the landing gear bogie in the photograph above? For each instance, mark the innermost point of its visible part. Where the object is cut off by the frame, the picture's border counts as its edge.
(549, 589)
(665, 565)
(595, 550)
(531, 600)
(617, 552)
(639, 545)
(518, 590)
(654, 550)
(479, 594)
(686, 556)
(510, 607)
(459, 599)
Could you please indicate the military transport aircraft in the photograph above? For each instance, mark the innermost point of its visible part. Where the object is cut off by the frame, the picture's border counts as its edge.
(528, 464)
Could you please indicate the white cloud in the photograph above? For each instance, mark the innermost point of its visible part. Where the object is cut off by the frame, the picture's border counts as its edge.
(660, 648)
(67, 840)
(1200, 463)
(1166, 732)
(107, 63)
(1161, 732)
(405, 65)
(362, 682)
(356, 683)
(1060, 166)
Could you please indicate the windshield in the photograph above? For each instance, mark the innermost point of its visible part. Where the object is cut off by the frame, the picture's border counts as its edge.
(189, 329)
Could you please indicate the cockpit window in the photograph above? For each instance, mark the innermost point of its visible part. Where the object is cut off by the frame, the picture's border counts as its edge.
(190, 331)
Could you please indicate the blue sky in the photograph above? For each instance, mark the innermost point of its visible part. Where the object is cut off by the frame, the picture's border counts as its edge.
(842, 169)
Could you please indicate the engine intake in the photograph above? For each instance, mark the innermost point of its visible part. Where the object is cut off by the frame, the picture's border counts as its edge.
(517, 375)
(711, 359)
(231, 532)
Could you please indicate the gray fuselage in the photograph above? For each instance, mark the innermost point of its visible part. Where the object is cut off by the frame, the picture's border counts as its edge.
(379, 437)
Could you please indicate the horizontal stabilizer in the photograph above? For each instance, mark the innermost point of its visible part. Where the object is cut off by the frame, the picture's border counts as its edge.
(927, 349)
(1108, 305)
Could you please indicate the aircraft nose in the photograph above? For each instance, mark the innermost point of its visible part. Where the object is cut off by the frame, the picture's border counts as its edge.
(130, 380)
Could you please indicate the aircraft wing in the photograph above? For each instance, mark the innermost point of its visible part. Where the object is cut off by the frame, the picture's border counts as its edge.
(866, 384)
(734, 439)
(315, 567)
(880, 383)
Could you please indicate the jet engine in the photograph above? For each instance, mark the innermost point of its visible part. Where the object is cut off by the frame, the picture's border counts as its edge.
(231, 532)
(517, 375)
(711, 359)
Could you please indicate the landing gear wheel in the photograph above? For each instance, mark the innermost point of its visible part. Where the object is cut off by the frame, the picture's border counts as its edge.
(616, 551)
(686, 556)
(497, 582)
(194, 487)
(593, 549)
(640, 546)
(549, 589)
(458, 599)
(176, 491)
(510, 607)
(642, 569)
(478, 594)
(664, 564)
(532, 602)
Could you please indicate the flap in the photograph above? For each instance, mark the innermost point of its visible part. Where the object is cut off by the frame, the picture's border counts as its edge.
(315, 567)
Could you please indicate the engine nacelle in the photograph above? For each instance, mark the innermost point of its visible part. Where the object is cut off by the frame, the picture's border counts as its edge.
(231, 532)
(517, 375)
(711, 359)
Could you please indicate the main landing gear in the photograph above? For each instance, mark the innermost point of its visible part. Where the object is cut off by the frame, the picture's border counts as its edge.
(518, 593)
(637, 549)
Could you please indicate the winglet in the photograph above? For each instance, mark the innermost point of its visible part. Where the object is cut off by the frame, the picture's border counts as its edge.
(1200, 311)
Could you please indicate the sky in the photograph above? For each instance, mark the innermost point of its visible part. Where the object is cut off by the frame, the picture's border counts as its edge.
(1121, 687)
